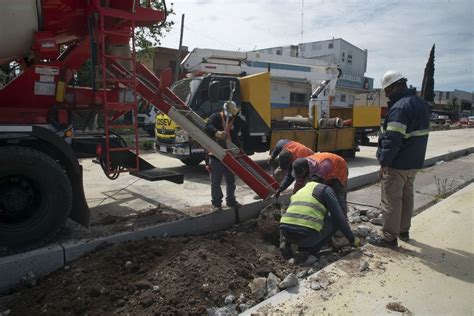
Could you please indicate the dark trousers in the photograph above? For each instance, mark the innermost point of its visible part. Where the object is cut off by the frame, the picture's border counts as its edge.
(309, 238)
(341, 193)
(219, 171)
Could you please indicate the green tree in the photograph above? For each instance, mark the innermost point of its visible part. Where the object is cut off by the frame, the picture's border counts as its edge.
(454, 108)
(427, 88)
(148, 37)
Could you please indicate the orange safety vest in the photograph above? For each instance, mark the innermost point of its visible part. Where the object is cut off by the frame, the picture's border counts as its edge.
(339, 171)
(297, 150)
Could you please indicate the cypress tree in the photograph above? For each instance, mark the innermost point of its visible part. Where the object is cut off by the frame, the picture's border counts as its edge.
(427, 88)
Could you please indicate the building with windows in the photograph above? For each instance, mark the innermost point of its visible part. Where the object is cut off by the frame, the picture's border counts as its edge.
(463, 100)
(351, 59)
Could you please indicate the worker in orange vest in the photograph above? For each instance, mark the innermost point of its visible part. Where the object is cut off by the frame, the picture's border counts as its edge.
(281, 159)
(331, 168)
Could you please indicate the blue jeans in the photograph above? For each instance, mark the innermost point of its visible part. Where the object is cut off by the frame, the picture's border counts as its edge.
(218, 171)
(309, 238)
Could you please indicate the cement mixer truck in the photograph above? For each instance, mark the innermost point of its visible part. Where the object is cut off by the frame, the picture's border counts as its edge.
(45, 43)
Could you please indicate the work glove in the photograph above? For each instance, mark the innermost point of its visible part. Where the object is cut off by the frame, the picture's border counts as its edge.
(221, 135)
(357, 242)
(272, 162)
(277, 194)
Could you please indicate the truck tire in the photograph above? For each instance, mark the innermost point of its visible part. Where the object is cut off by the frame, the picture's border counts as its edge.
(193, 162)
(35, 198)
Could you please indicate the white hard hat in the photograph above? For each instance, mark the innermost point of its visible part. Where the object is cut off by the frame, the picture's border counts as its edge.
(231, 108)
(390, 77)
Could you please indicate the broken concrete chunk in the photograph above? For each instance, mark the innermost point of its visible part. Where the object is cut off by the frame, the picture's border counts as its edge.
(377, 221)
(355, 219)
(258, 287)
(243, 307)
(397, 307)
(128, 265)
(272, 285)
(229, 299)
(364, 266)
(364, 218)
(367, 253)
(373, 214)
(315, 285)
(290, 281)
(226, 310)
(301, 274)
(311, 271)
(361, 232)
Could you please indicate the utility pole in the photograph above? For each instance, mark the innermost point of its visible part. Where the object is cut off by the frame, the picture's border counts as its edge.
(178, 59)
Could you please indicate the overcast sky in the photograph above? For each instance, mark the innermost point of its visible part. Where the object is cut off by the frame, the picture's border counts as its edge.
(397, 34)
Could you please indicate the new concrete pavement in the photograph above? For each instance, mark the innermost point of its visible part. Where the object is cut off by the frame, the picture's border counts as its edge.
(432, 274)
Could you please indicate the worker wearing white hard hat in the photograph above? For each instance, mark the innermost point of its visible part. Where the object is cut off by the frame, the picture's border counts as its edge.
(401, 152)
(225, 126)
(390, 77)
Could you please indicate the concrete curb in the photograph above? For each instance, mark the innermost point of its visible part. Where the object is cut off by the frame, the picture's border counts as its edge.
(48, 259)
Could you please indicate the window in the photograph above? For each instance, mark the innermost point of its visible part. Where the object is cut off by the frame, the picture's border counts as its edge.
(447, 95)
(349, 59)
(278, 51)
(343, 98)
(297, 99)
(331, 45)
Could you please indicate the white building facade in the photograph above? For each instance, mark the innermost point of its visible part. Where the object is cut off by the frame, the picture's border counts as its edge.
(463, 99)
(351, 59)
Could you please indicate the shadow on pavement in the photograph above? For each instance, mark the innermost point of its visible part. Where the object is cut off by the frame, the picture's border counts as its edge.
(451, 262)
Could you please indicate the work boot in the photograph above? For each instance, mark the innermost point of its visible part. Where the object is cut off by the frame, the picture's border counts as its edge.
(216, 208)
(379, 241)
(404, 236)
(233, 204)
(285, 250)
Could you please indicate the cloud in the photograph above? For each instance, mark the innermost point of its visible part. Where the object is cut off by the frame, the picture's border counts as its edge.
(397, 34)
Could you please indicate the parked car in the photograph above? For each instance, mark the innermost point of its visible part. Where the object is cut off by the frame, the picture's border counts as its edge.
(470, 120)
(464, 121)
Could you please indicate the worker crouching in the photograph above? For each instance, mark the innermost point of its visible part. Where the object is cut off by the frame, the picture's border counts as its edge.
(312, 218)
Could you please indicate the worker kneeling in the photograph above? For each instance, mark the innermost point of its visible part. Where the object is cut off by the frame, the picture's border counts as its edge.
(312, 218)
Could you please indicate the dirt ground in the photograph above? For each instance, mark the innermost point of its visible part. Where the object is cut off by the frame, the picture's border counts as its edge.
(155, 276)
(104, 224)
